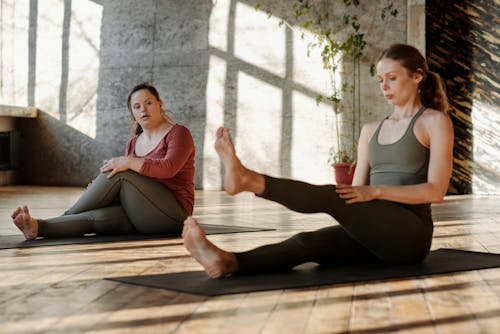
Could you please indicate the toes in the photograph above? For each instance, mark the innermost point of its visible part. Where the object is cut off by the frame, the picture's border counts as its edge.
(190, 226)
(226, 134)
(186, 227)
(190, 222)
(214, 272)
(16, 213)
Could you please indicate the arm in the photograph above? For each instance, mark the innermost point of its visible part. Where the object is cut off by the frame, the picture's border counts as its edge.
(362, 172)
(439, 131)
(179, 150)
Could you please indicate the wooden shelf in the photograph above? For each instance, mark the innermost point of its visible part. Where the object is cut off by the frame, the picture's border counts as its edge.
(17, 111)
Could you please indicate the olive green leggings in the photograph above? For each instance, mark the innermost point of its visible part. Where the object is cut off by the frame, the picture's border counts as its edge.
(127, 203)
(369, 231)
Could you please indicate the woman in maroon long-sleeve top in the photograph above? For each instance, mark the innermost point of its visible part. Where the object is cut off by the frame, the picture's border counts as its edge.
(148, 190)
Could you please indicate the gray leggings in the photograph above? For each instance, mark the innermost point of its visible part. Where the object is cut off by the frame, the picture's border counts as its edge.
(369, 231)
(125, 204)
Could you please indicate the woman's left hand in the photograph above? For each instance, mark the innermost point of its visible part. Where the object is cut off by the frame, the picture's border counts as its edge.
(355, 194)
(115, 165)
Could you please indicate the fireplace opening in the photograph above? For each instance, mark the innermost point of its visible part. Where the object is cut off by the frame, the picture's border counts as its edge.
(9, 150)
(5, 150)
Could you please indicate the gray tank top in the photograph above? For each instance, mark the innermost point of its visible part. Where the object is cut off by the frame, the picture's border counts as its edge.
(401, 163)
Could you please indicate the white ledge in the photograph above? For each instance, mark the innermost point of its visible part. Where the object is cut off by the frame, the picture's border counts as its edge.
(16, 111)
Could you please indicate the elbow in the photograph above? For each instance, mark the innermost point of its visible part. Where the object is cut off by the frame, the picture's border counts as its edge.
(438, 200)
(157, 170)
(438, 194)
(166, 173)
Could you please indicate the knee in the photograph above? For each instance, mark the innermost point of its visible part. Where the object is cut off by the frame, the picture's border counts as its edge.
(129, 175)
(126, 174)
(412, 256)
(302, 239)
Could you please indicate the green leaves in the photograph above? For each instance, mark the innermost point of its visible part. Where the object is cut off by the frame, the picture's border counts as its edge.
(335, 98)
(339, 156)
(351, 2)
(319, 98)
(347, 19)
(306, 24)
(339, 40)
(389, 8)
(301, 8)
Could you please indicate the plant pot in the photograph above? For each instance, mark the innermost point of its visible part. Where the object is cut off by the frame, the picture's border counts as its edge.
(344, 172)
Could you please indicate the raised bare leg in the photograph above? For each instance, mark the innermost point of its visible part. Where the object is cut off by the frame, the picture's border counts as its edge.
(237, 177)
(216, 262)
(24, 222)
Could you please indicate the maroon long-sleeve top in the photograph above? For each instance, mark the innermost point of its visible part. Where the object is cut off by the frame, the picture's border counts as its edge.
(172, 163)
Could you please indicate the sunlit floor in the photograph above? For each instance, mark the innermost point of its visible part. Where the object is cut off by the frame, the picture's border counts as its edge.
(61, 289)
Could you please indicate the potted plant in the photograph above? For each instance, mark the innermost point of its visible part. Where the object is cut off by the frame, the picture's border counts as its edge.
(341, 41)
(343, 164)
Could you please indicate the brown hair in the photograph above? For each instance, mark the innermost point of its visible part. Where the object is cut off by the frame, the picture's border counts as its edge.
(136, 128)
(431, 88)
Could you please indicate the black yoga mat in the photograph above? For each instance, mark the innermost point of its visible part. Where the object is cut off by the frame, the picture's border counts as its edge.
(18, 241)
(197, 282)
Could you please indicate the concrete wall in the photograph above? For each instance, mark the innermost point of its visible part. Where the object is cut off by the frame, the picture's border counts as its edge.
(214, 62)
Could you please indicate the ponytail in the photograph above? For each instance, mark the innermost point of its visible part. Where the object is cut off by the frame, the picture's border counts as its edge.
(432, 92)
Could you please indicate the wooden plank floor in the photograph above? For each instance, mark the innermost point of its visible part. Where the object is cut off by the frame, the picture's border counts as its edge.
(61, 289)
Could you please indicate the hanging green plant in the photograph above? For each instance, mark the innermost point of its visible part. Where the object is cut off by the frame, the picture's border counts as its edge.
(340, 41)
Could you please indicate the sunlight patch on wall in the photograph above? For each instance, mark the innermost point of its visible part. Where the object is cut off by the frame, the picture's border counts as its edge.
(48, 56)
(54, 51)
(14, 33)
(308, 69)
(217, 32)
(486, 149)
(258, 132)
(214, 118)
(84, 62)
(313, 129)
(67, 62)
(256, 43)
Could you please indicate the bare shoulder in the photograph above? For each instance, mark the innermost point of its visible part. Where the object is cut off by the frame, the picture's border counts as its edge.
(434, 126)
(436, 119)
(181, 130)
(369, 129)
(431, 115)
(372, 125)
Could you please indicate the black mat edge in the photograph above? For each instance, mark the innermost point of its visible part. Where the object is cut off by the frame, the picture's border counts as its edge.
(210, 229)
(306, 278)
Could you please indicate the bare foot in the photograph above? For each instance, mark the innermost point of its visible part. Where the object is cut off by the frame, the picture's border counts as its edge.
(216, 262)
(235, 174)
(23, 220)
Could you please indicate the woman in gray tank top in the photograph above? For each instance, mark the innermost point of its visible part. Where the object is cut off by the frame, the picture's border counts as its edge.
(404, 164)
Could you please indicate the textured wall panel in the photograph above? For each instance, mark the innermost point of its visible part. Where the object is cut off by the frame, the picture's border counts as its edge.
(463, 46)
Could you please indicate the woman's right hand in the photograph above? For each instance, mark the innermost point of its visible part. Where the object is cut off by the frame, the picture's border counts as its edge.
(115, 165)
(120, 164)
(356, 194)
